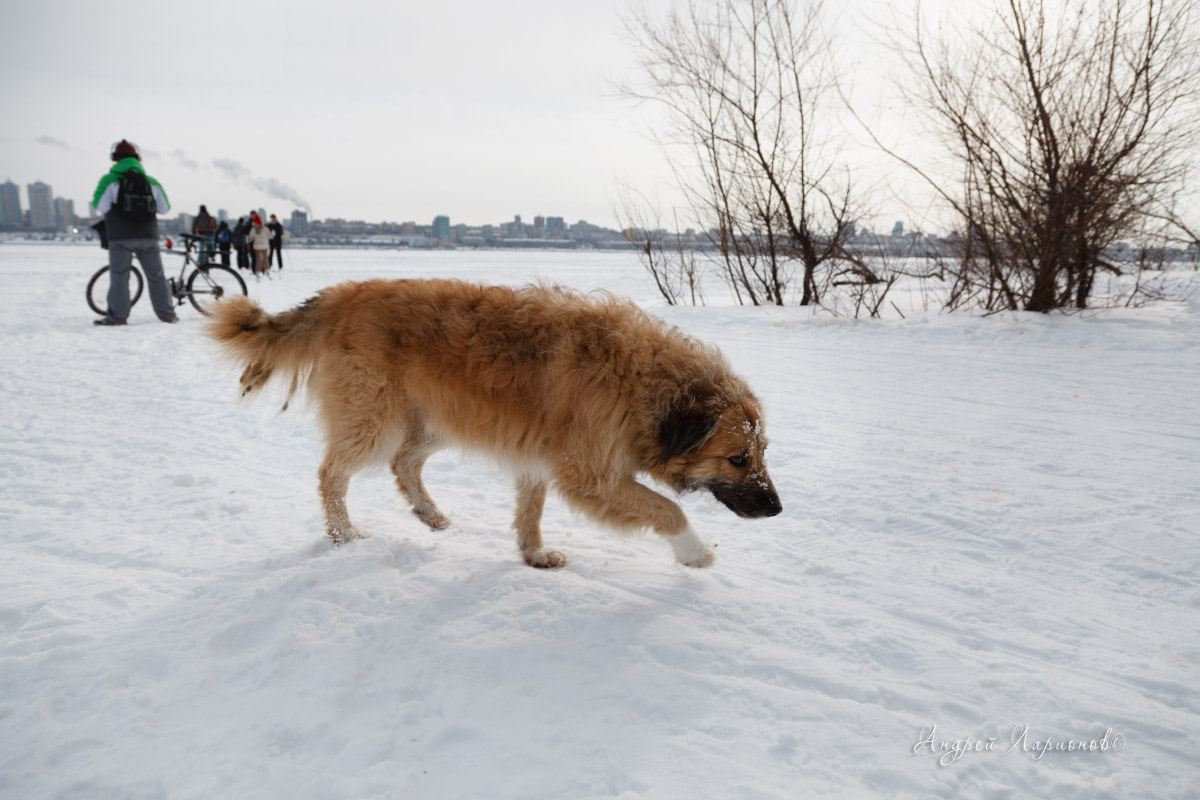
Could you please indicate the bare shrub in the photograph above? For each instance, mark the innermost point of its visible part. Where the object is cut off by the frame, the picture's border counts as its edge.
(673, 263)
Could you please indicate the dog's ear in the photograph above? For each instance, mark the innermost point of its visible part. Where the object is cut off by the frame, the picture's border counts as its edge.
(684, 429)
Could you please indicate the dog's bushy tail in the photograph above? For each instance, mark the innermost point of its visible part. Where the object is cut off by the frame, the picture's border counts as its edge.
(268, 345)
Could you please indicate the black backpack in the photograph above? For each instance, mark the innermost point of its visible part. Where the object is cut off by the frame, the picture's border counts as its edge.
(135, 198)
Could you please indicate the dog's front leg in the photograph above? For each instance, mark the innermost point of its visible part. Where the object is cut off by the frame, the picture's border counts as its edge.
(531, 499)
(630, 505)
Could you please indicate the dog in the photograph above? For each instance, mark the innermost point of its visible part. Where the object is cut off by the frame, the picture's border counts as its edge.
(582, 392)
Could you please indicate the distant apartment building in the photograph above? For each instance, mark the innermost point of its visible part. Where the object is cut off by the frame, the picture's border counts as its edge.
(41, 206)
(514, 229)
(585, 228)
(299, 223)
(10, 205)
(64, 213)
(555, 227)
(441, 228)
(222, 215)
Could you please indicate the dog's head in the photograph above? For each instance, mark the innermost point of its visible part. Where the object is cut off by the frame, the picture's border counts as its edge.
(720, 450)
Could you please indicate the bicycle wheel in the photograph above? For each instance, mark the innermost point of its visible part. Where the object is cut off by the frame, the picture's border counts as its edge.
(209, 284)
(97, 290)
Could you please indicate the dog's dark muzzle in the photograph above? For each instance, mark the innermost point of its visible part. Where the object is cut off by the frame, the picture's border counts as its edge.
(751, 503)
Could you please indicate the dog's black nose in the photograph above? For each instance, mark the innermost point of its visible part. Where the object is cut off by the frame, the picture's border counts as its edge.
(774, 507)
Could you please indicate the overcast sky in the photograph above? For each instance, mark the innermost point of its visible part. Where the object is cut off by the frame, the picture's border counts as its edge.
(380, 111)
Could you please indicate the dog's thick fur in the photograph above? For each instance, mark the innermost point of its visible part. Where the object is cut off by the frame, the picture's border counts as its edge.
(583, 392)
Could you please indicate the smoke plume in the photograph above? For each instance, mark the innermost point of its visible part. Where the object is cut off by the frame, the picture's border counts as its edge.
(239, 173)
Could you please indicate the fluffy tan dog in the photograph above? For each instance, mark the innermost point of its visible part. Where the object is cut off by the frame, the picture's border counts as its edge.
(581, 392)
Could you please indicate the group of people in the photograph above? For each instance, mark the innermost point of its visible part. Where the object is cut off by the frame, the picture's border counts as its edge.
(257, 245)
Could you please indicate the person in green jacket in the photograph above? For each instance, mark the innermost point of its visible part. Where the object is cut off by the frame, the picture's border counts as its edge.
(130, 200)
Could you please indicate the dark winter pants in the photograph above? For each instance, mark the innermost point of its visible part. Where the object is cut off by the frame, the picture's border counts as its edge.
(225, 255)
(120, 260)
(243, 254)
(276, 253)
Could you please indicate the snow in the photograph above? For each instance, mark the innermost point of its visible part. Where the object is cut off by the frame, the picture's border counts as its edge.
(988, 523)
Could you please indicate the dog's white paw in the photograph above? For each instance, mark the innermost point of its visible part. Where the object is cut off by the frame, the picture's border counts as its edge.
(544, 558)
(691, 550)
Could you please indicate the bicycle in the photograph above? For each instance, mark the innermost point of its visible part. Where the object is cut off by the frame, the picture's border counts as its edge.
(208, 282)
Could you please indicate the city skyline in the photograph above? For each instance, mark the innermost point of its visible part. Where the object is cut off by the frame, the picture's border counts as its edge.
(56, 214)
(542, 232)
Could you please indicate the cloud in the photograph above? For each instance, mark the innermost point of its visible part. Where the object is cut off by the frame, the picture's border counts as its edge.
(50, 141)
(183, 159)
(239, 173)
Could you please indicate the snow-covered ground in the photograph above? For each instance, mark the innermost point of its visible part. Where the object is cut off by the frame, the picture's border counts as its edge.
(988, 523)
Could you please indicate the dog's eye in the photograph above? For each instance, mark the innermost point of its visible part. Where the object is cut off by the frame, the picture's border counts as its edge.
(738, 461)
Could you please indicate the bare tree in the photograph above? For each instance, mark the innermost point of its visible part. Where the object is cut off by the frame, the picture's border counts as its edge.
(1069, 122)
(748, 87)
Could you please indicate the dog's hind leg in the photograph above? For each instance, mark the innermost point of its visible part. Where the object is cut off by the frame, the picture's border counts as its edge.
(353, 443)
(531, 499)
(334, 481)
(418, 445)
(630, 506)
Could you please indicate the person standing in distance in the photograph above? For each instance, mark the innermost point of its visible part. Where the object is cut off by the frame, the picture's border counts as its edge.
(130, 200)
(239, 243)
(205, 227)
(276, 251)
(259, 241)
(223, 239)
